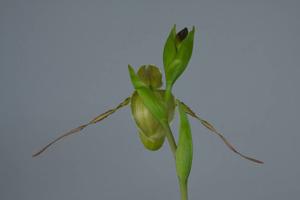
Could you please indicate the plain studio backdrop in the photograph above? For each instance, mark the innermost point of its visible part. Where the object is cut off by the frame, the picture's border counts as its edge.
(64, 62)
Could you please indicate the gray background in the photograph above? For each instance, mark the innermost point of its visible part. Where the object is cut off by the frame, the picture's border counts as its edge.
(63, 62)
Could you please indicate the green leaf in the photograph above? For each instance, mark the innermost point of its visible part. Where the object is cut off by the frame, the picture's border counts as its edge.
(170, 48)
(151, 101)
(184, 152)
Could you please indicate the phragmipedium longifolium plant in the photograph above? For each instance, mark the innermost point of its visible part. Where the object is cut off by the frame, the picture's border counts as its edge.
(153, 107)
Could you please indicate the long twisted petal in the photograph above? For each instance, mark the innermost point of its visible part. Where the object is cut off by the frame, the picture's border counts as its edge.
(213, 130)
(78, 129)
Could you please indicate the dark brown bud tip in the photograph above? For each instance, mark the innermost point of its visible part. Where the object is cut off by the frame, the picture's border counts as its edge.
(181, 35)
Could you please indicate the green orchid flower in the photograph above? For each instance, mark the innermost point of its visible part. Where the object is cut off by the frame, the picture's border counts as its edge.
(153, 108)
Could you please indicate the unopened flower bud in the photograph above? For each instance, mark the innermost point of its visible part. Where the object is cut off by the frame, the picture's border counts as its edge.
(150, 75)
(151, 132)
(149, 109)
(177, 53)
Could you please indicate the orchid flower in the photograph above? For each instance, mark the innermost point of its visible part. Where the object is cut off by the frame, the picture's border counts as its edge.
(153, 107)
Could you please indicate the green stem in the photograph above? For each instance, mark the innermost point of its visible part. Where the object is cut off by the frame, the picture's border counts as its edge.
(168, 93)
(171, 139)
(170, 136)
(183, 190)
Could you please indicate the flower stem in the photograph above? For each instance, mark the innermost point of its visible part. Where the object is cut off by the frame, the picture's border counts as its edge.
(183, 190)
(169, 134)
(171, 139)
(168, 93)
